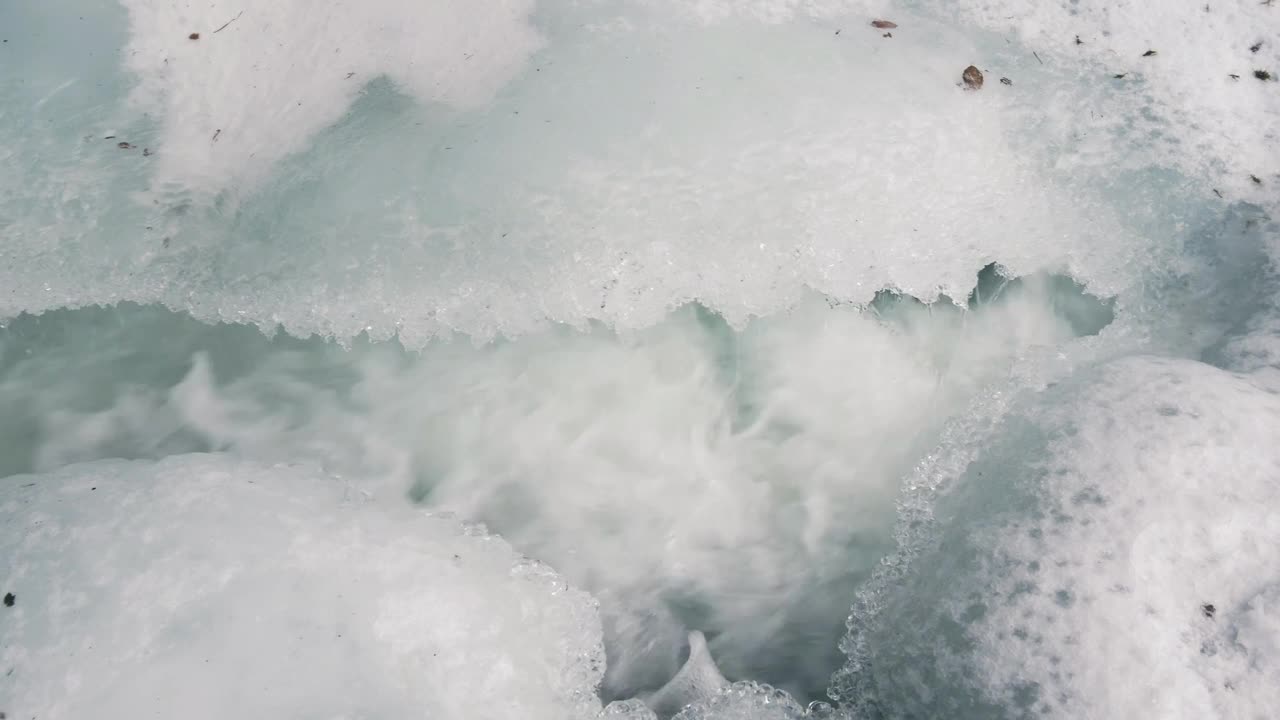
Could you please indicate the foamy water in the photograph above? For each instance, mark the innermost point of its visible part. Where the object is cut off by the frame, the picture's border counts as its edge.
(752, 361)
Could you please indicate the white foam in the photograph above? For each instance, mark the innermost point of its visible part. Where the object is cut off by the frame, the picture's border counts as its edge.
(1166, 499)
(201, 587)
(262, 80)
(1128, 572)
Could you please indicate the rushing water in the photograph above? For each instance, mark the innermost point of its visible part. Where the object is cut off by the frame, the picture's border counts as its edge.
(515, 359)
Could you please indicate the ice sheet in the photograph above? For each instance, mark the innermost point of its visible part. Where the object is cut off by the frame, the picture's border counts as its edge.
(647, 155)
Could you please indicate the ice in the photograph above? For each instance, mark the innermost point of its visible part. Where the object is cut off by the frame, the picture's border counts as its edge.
(1112, 556)
(202, 587)
(625, 168)
(260, 82)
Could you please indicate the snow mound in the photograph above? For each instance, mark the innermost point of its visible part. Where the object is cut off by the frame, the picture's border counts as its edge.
(199, 587)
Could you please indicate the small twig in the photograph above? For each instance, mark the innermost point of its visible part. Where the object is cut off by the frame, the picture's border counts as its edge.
(1037, 58)
(224, 25)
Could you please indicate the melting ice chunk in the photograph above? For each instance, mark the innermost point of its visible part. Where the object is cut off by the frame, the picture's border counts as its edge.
(1112, 556)
(203, 588)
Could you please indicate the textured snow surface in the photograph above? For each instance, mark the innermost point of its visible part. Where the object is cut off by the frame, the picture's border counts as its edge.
(1114, 555)
(488, 171)
(200, 587)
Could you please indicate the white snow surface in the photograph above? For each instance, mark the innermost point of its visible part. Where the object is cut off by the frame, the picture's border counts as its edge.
(201, 587)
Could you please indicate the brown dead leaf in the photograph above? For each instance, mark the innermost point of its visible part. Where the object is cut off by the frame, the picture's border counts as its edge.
(972, 78)
(884, 24)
